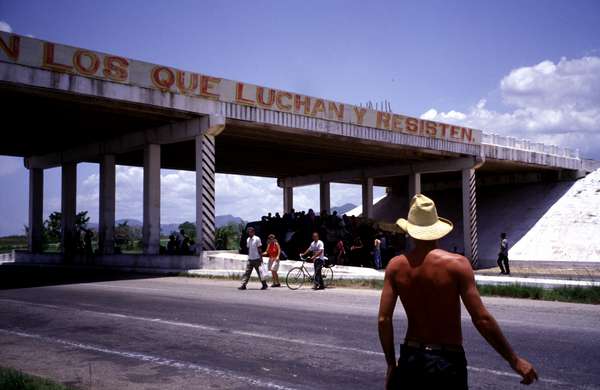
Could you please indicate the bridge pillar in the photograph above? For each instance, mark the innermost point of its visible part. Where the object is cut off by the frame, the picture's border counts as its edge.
(325, 196)
(469, 206)
(288, 199)
(68, 206)
(36, 209)
(367, 197)
(106, 226)
(205, 193)
(151, 227)
(414, 185)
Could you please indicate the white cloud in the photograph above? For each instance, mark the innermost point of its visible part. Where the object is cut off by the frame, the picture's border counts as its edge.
(5, 27)
(553, 103)
(243, 196)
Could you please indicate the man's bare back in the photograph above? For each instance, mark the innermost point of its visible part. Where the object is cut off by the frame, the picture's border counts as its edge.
(428, 287)
(430, 283)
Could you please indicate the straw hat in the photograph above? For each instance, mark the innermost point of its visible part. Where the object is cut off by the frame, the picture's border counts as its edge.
(423, 222)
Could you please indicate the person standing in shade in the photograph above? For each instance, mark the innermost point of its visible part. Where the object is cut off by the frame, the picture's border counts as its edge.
(317, 249)
(273, 252)
(431, 283)
(254, 245)
(503, 255)
(377, 252)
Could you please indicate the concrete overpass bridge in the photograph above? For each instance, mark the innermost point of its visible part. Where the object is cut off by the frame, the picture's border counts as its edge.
(64, 105)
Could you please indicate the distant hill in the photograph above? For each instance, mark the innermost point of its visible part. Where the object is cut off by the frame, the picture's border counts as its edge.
(130, 222)
(343, 209)
(167, 228)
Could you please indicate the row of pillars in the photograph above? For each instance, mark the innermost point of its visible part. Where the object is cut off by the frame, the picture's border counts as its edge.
(205, 201)
(469, 205)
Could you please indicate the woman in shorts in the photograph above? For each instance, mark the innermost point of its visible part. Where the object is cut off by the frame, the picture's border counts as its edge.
(273, 251)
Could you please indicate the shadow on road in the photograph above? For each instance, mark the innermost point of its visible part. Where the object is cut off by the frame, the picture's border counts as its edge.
(20, 276)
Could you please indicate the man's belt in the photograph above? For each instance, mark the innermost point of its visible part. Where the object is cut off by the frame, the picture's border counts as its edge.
(433, 347)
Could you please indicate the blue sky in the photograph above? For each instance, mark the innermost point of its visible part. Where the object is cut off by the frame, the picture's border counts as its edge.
(509, 67)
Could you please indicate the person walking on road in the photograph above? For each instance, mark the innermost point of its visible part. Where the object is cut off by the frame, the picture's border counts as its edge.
(273, 252)
(503, 255)
(254, 259)
(317, 248)
(431, 283)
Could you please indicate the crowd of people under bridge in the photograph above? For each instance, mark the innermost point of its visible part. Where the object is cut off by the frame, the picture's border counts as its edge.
(348, 240)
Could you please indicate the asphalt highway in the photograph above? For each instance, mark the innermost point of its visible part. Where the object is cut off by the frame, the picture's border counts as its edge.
(185, 333)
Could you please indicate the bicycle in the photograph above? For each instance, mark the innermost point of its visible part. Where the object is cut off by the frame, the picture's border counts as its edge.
(297, 276)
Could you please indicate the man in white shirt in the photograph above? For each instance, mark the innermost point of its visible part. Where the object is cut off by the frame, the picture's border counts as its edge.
(253, 244)
(318, 258)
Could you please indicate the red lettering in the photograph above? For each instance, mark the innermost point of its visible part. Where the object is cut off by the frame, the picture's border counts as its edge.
(162, 78)
(12, 49)
(444, 127)
(239, 95)
(397, 122)
(360, 114)
(180, 82)
(49, 59)
(318, 107)
(260, 97)
(383, 120)
(279, 100)
(467, 134)
(430, 128)
(91, 67)
(412, 125)
(338, 110)
(116, 68)
(454, 132)
(300, 101)
(206, 84)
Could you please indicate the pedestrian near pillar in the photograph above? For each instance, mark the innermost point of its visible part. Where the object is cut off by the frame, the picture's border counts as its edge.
(503, 255)
(254, 259)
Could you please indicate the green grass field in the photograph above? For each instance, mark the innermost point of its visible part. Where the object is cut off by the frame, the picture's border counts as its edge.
(16, 380)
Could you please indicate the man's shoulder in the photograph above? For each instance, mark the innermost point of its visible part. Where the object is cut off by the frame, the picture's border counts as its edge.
(450, 259)
(396, 263)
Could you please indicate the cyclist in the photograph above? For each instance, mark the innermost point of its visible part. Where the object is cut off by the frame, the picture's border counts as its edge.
(317, 248)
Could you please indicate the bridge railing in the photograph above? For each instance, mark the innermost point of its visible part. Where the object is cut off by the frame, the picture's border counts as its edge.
(523, 144)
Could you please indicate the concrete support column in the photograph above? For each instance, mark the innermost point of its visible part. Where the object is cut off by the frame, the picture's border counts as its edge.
(325, 196)
(288, 199)
(106, 226)
(68, 208)
(367, 197)
(205, 193)
(151, 228)
(36, 209)
(469, 206)
(414, 185)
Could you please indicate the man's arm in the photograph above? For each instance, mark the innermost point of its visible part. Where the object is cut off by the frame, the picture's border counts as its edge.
(486, 324)
(387, 305)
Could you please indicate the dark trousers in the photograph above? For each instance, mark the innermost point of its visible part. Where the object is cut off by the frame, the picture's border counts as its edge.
(252, 265)
(423, 369)
(503, 263)
(318, 276)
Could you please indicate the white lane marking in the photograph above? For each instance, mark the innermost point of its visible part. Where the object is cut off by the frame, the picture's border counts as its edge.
(257, 335)
(464, 316)
(178, 364)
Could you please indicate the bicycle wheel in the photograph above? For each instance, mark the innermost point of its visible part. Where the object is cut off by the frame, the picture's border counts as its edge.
(327, 274)
(295, 278)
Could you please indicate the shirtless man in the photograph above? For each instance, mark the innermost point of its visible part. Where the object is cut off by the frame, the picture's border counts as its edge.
(430, 283)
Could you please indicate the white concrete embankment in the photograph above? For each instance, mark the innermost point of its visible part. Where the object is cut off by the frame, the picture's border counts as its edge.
(548, 221)
(233, 265)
